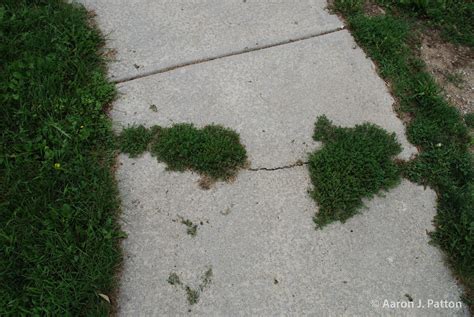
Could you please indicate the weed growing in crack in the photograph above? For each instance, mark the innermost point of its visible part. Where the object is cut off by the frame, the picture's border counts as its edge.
(213, 151)
(354, 163)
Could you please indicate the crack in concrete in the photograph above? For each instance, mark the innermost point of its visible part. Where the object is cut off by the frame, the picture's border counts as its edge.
(208, 59)
(270, 169)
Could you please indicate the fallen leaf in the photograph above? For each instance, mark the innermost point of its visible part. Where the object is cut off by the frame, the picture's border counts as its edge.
(105, 297)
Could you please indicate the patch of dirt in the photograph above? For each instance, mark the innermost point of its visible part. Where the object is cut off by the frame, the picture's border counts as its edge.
(371, 9)
(453, 68)
(91, 19)
(205, 182)
(330, 7)
(109, 53)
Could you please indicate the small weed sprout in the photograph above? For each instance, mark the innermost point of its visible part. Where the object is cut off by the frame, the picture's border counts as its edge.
(173, 279)
(191, 227)
(206, 279)
(192, 294)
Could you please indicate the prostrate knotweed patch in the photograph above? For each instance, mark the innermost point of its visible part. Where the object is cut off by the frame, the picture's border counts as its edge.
(354, 163)
(134, 140)
(213, 151)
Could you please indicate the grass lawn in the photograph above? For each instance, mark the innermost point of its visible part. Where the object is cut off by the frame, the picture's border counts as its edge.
(454, 18)
(435, 127)
(58, 198)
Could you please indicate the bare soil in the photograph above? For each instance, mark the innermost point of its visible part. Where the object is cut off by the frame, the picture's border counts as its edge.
(453, 68)
(373, 9)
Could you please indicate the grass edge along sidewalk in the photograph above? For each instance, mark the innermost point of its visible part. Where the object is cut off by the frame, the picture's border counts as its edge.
(59, 238)
(434, 126)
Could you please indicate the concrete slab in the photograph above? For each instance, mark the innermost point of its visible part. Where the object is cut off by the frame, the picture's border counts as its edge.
(271, 97)
(267, 259)
(155, 34)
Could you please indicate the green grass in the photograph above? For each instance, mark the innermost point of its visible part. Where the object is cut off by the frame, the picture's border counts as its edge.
(213, 151)
(58, 199)
(437, 129)
(354, 163)
(469, 119)
(454, 18)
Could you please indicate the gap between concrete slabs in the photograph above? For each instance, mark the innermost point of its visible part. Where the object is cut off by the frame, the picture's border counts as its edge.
(271, 96)
(156, 34)
(208, 59)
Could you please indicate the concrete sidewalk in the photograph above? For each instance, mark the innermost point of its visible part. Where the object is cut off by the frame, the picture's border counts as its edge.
(266, 69)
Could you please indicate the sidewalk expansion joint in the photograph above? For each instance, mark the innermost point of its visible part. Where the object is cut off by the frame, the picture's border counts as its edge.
(239, 52)
(270, 169)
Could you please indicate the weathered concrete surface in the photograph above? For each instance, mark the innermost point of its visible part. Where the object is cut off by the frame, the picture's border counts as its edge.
(267, 258)
(155, 34)
(271, 97)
